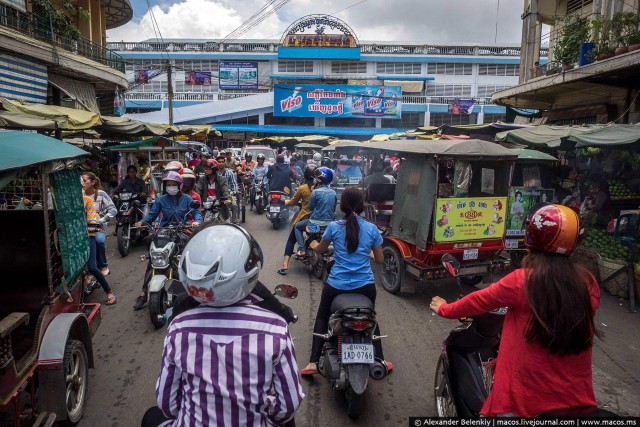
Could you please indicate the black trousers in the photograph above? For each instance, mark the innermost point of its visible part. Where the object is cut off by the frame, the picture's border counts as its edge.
(324, 312)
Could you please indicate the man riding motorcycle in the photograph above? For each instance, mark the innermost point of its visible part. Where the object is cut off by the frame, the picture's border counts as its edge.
(280, 176)
(232, 182)
(222, 278)
(247, 164)
(213, 185)
(188, 184)
(132, 183)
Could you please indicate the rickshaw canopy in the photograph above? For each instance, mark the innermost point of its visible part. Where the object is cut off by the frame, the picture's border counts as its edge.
(158, 143)
(470, 148)
(20, 149)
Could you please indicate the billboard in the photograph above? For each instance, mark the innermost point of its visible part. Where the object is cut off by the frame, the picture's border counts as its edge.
(521, 200)
(337, 101)
(461, 106)
(470, 218)
(141, 77)
(238, 75)
(197, 78)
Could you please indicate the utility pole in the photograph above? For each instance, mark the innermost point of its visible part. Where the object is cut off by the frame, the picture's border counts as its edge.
(170, 91)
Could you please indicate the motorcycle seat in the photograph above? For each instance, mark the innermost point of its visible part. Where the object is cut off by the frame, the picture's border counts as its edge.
(344, 301)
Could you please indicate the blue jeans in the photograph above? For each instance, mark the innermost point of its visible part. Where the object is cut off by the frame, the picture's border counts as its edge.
(101, 249)
(299, 229)
(92, 265)
(291, 242)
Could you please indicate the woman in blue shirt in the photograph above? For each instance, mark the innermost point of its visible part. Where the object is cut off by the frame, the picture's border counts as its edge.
(355, 241)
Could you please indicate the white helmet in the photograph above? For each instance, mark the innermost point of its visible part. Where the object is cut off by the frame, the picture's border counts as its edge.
(317, 157)
(220, 265)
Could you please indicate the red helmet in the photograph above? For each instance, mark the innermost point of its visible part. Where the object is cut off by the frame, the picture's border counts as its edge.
(554, 228)
(211, 163)
(175, 166)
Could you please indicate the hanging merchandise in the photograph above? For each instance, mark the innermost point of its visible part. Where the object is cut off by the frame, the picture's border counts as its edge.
(119, 107)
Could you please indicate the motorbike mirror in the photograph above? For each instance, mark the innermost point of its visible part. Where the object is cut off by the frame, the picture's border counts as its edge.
(194, 204)
(451, 264)
(286, 291)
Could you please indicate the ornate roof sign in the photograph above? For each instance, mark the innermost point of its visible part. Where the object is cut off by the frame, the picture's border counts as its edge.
(328, 31)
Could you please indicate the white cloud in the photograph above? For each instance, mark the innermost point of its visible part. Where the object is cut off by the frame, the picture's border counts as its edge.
(382, 20)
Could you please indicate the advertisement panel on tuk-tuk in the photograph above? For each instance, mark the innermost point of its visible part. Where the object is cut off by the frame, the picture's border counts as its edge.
(471, 218)
(521, 200)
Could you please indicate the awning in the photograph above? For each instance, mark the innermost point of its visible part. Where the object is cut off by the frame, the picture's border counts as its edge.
(407, 85)
(543, 135)
(65, 118)
(534, 155)
(453, 148)
(82, 92)
(292, 139)
(25, 121)
(152, 144)
(301, 130)
(20, 149)
(129, 127)
(608, 136)
(342, 144)
(306, 145)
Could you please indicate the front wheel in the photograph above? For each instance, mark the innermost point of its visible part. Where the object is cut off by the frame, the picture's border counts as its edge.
(355, 403)
(275, 223)
(443, 400)
(471, 280)
(392, 269)
(243, 213)
(157, 305)
(76, 374)
(124, 240)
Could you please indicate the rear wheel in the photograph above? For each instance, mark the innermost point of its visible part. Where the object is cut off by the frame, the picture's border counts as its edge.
(76, 374)
(318, 266)
(157, 307)
(471, 280)
(124, 242)
(392, 270)
(276, 224)
(355, 403)
(443, 400)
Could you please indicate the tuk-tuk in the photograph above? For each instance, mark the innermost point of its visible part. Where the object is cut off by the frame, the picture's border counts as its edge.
(450, 197)
(46, 328)
(530, 185)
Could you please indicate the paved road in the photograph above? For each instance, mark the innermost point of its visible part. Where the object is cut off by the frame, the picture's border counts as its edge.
(128, 348)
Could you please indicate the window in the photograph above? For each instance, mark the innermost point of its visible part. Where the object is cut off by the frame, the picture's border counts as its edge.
(348, 67)
(498, 69)
(438, 119)
(295, 66)
(434, 89)
(393, 68)
(350, 122)
(408, 120)
(450, 69)
(485, 91)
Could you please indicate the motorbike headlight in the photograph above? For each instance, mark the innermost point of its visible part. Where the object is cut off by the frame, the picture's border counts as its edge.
(160, 259)
(125, 196)
(207, 205)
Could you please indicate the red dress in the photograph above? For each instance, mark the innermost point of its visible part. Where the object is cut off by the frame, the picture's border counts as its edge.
(528, 379)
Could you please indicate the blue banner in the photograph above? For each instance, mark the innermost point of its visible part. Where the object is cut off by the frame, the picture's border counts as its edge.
(238, 75)
(337, 101)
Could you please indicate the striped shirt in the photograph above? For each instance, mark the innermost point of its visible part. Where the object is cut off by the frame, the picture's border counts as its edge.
(232, 181)
(228, 366)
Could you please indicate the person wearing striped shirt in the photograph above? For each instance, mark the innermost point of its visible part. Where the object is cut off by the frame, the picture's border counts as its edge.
(232, 181)
(227, 362)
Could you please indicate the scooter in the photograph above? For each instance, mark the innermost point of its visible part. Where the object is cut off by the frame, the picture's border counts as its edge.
(214, 210)
(278, 211)
(129, 212)
(316, 264)
(348, 357)
(466, 366)
(259, 197)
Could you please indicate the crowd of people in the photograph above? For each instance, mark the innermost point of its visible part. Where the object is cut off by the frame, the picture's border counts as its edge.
(551, 301)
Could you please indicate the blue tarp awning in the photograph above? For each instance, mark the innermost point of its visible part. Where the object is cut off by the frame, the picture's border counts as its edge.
(306, 130)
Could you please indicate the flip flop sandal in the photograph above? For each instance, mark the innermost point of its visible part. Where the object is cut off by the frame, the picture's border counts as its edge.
(282, 271)
(111, 301)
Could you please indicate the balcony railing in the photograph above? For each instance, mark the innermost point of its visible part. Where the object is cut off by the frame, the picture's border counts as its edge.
(40, 28)
(372, 48)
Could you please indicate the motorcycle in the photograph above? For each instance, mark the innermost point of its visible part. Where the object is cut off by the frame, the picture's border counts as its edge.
(278, 211)
(466, 366)
(316, 264)
(259, 196)
(348, 357)
(213, 209)
(244, 193)
(129, 212)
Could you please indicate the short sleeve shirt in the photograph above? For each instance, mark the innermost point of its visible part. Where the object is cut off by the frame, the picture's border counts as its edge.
(352, 270)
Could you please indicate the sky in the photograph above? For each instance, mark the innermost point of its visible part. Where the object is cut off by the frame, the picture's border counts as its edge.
(433, 21)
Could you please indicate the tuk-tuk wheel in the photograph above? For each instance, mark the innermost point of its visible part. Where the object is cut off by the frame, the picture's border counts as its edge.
(392, 270)
(471, 280)
(76, 374)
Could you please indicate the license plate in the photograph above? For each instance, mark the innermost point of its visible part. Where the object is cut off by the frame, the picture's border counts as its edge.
(274, 209)
(470, 271)
(511, 243)
(357, 353)
(469, 254)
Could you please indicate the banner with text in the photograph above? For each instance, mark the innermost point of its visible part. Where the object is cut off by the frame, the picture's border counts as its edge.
(471, 218)
(521, 200)
(461, 106)
(337, 101)
(238, 75)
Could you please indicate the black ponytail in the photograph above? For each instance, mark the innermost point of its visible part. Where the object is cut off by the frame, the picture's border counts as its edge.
(352, 204)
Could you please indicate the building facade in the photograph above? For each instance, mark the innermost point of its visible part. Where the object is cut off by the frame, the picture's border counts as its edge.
(48, 60)
(431, 77)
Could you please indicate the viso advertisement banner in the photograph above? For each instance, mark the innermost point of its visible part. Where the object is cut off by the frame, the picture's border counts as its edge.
(238, 75)
(337, 101)
(471, 218)
(521, 200)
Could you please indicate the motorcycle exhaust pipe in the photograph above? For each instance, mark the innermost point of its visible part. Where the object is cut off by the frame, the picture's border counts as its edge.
(377, 371)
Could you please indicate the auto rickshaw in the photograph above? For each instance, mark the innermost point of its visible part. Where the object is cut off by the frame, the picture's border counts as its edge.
(530, 185)
(450, 197)
(46, 327)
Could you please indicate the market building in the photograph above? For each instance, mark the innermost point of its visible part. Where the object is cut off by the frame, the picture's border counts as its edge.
(594, 62)
(244, 85)
(49, 58)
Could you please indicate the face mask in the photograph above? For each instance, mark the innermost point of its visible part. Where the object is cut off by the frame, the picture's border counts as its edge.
(172, 191)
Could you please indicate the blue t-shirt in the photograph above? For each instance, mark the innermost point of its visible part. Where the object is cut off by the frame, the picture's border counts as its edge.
(352, 270)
